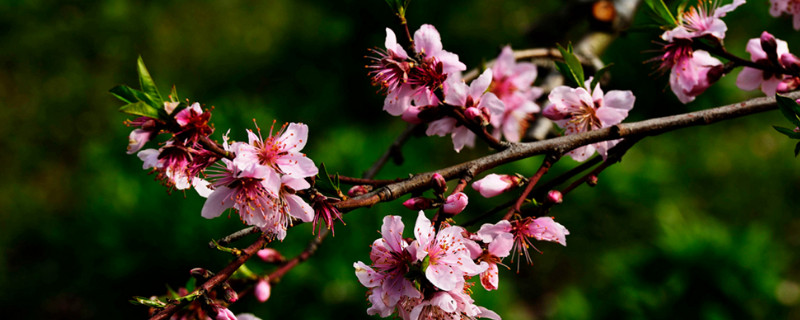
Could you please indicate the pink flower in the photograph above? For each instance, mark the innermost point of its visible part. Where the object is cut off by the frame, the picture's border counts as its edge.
(389, 68)
(178, 166)
(455, 203)
(262, 290)
(751, 78)
(542, 229)
(703, 20)
(194, 124)
(453, 305)
(279, 151)
(692, 74)
(448, 258)
(324, 212)
(472, 96)
(512, 83)
(431, 68)
(495, 184)
(792, 7)
(249, 189)
(493, 255)
(148, 129)
(576, 111)
(390, 264)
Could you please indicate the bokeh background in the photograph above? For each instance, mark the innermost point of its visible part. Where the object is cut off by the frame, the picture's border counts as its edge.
(698, 223)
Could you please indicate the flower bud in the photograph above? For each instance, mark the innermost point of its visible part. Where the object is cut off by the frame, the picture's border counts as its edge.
(359, 190)
(475, 115)
(224, 314)
(495, 184)
(592, 180)
(270, 255)
(770, 46)
(228, 294)
(418, 203)
(262, 290)
(201, 273)
(550, 112)
(554, 197)
(455, 203)
(790, 62)
(439, 184)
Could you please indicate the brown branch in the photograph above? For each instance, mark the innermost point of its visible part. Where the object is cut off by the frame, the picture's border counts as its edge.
(546, 164)
(562, 144)
(312, 247)
(216, 280)
(234, 236)
(479, 130)
(359, 181)
(614, 156)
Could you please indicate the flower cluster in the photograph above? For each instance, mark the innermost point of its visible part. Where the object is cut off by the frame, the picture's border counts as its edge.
(181, 159)
(262, 180)
(427, 87)
(427, 278)
(772, 54)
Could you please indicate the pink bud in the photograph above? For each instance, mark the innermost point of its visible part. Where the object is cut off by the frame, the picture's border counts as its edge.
(554, 197)
(495, 184)
(262, 290)
(550, 112)
(359, 190)
(455, 203)
(788, 60)
(592, 181)
(475, 115)
(269, 255)
(225, 314)
(439, 183)
(418, 203)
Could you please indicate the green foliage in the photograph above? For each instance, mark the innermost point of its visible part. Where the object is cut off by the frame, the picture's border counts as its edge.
(662, 13)
(146, 82)
(571, 68)
(791, 111)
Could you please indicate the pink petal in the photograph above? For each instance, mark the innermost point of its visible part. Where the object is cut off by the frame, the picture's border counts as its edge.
(427, 40)
(368, 277)
(580, 154)
(424, 232)
(398, 101)
(489, 232)
(456, 92)
(391, 44)
(444, 301)
(442, 276)
(723, 10)
(489, 278)
(298, 166)
(441, 127)
(462, 136)
(217, 202)
(749, 78)
(755, 50)
(501, 246)
(295, 137)
(137, 139)
(490, 102)
(149, 158)
(298, 208)
(392, 232)
(479, 85)
(491, 185)
(455, 203)
(504, 63)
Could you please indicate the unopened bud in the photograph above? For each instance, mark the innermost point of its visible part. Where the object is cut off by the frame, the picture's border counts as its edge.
(228, 293)
(475, 115)
(592, 180)
(359, 190)
(455, 203)
(554, 197)
(438, 183)
(224, 313)
(262, 290)
(418, 203)
(714, 74)
(270, 255)
(790, 62)
(770, 46)
(201, 273)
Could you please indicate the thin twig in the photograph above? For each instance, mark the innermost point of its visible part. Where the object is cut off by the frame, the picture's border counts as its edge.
(234, 236)
(614, 156)
(359, 181)
(546, 164)
(393, 150)
(312, 247)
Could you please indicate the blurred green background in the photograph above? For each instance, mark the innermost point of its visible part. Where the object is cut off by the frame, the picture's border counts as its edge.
(698, 223)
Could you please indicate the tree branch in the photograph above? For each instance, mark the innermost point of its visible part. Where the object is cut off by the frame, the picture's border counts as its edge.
(565, 143)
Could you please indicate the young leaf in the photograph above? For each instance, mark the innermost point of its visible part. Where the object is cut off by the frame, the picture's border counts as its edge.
(125, 93)
(191, 284)
(571, 68)
(789, 108)
(598, 75)
(325, 182)
(662, 12)
(788, 132)
(147, 302)
(173, 95)
(141, 109)
(146, 82)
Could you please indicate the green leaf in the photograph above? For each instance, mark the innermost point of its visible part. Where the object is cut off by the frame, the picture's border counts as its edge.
(574, 69)
(141, 109)
(788, 132)
(789, 108)
(796, 149)
(662, 12)
(569, 78)
(324, 182)
(173, 94)
(598, 75)
(146, 82)
(148, 302)
(125, 93)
